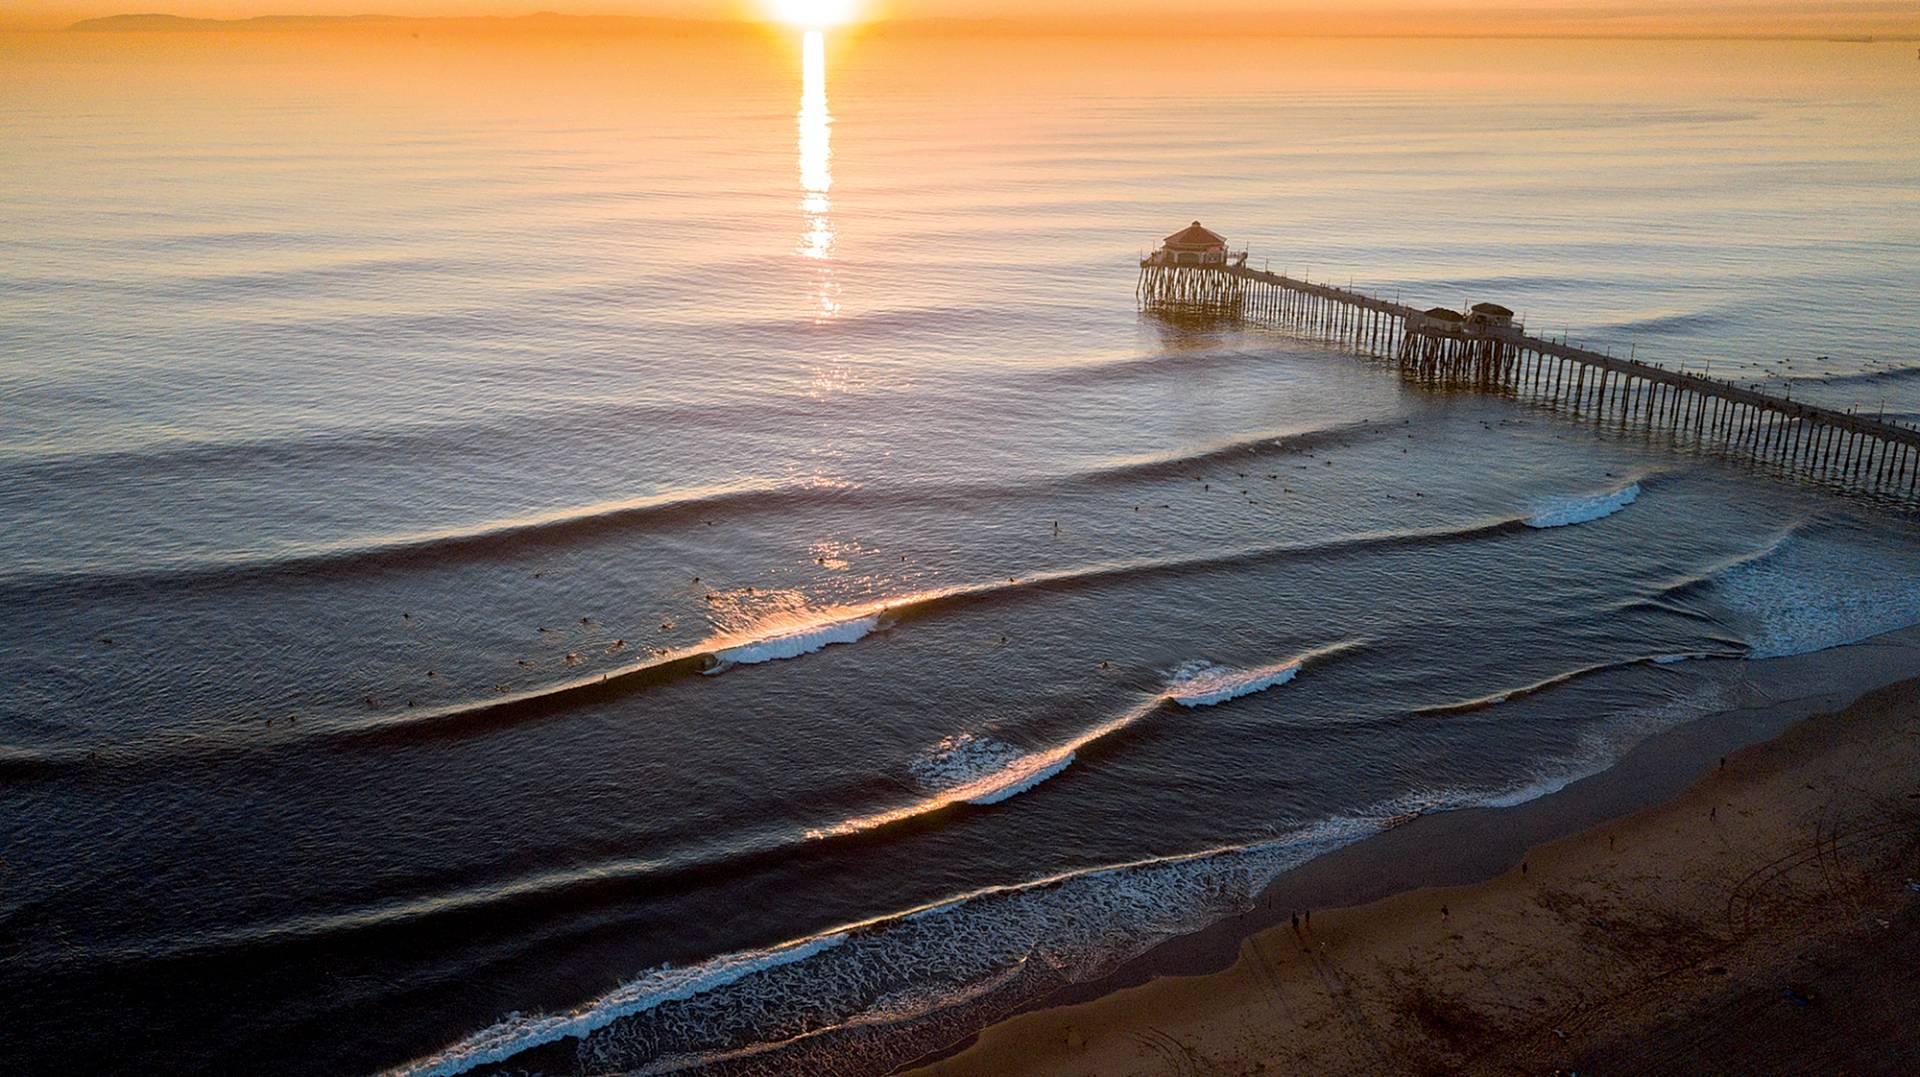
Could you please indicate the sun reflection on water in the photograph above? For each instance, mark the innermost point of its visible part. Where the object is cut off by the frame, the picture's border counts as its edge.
(816, 168)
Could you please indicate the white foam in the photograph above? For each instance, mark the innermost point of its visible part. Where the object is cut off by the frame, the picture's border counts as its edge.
(980, 770)
(515, 1033)
(1079, 924)
(1600, 747)
(1402, 808)
(965, 770)
(900, 1007)
(1537, 788)
(1581, 508)
(1812, 594)
(1021, 939)
(1019, 780)
(960, 759)
(794, 643)
(1204, 684)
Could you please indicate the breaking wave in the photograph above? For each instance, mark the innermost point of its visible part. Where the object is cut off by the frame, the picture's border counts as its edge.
(973, 770)
(1804, 595)
(1704, 578)
(985, 770)
(1203, 684)
(1808, 588)
(794, 643)
(788, 636)
(1571, 509)
(984, 773)
(515, 1034)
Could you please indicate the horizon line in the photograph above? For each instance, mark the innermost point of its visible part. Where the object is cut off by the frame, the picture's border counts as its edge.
(1233, 24)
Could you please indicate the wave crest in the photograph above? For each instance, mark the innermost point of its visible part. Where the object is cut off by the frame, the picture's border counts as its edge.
(793, 643)
(965, 769)
(1569, 509)
(984, 770)
(500, 537)
(1203, 684)
(1186, 463)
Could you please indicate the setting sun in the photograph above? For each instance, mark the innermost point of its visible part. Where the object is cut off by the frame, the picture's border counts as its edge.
(813, 13)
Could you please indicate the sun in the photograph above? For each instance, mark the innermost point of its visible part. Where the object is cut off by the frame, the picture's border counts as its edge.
(813, 14)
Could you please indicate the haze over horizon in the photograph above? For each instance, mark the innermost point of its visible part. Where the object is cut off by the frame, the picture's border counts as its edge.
(1419, 17)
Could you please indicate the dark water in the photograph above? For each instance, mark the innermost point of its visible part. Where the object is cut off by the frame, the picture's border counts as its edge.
(584, 530)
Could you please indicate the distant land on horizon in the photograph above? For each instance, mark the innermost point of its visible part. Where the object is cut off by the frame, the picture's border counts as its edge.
(148, 22)
(160, 22)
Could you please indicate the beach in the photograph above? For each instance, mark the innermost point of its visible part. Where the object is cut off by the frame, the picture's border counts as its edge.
(1760, 921)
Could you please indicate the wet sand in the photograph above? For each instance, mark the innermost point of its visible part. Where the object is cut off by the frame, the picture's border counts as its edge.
(1671, 915)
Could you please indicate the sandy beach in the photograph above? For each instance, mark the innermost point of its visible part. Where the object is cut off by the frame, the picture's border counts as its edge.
(1760, 921)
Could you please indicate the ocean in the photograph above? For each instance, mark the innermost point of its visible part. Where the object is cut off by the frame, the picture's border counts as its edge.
(628, 554)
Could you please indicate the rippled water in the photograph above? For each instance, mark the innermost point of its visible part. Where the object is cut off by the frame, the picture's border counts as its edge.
(707, 556)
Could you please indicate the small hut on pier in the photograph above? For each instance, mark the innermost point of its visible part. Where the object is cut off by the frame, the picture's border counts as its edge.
(1490, 316)
(1194, 245)
(1438, 320)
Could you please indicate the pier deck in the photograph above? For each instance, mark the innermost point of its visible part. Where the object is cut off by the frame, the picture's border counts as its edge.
(1826, 443)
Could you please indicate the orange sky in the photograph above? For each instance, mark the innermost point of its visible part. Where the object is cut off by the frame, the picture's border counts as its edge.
(1629, 17)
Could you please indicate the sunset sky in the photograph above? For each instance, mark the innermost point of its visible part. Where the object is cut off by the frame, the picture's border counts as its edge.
(1736, 17)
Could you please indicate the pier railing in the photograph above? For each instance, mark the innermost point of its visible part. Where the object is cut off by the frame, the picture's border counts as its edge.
(1824, 443)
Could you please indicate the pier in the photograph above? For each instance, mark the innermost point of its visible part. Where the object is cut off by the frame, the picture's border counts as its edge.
(1484, 349)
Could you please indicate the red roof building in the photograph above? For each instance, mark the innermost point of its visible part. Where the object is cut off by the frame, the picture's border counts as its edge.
(1194, 237)
(1192, 245)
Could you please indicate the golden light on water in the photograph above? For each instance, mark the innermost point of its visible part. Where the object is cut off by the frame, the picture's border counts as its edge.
(816, 150)
(816, 166)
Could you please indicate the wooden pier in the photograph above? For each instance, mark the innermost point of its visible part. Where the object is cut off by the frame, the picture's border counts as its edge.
(1487, 353)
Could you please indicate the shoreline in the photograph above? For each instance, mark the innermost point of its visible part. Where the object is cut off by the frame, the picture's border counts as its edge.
(1464, 849)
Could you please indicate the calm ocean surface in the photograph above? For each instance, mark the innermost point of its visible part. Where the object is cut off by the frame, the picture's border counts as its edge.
(614, 555)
